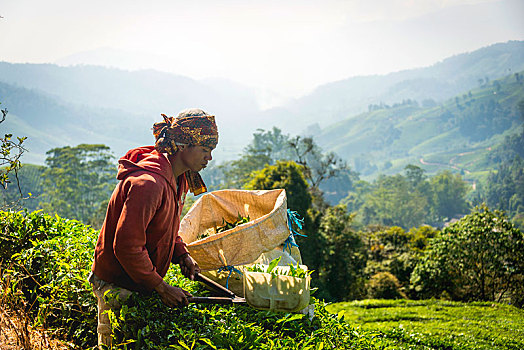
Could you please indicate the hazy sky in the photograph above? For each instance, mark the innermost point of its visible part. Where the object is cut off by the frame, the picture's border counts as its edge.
(284, 45)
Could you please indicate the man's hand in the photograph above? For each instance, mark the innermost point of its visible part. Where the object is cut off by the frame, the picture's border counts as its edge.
(172, 296)
(188, 266)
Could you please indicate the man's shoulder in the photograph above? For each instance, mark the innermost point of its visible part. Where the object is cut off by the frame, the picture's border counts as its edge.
(146, 179)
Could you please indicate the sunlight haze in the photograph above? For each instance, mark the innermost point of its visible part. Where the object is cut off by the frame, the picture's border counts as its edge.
(283, 49)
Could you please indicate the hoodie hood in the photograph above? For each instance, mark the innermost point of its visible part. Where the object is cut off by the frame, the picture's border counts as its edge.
(146, 158)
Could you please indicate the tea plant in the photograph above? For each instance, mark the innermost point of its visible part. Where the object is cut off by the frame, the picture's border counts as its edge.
(273, 269)
(48, 270)
(226, 225)
(147, 323)
(436, 324)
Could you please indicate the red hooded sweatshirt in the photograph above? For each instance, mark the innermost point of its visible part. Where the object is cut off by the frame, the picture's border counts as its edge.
(139, 237)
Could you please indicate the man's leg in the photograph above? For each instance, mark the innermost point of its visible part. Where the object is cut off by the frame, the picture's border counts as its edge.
(110, 297)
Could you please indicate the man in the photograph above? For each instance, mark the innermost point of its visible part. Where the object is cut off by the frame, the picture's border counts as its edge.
(139, 238)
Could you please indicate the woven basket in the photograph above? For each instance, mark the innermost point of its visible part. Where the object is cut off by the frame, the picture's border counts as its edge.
(243, 244)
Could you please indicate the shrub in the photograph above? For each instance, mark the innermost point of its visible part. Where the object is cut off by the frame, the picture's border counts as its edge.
(480, 257)
(384, 285)
(48, 270)
(48, 273)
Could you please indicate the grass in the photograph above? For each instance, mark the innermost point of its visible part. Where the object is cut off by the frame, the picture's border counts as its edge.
(434, 324)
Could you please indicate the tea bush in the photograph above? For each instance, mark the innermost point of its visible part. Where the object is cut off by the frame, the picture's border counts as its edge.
(384, 285)
(45, 261)
(438, 324)
(147, 323)
(19, 229)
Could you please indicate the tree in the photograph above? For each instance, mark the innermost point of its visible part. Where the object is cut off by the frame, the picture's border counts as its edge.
(30, 184)
(355, 198)
(419, 183)
(78, 182)
(415, 175)
(449, 195)
(480, 257)
(265, 149)
(384, 285)
(272, 144)
(342, 256)
(394, 201)
(505, 187)
(287, 175)
(318, 166)
(268, 147)
(395, 251)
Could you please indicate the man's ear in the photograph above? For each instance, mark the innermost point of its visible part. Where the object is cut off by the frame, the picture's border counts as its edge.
(182, 147)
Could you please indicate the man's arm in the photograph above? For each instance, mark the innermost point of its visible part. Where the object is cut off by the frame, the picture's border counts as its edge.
(172, 296)
(142, 201)
(143, 198)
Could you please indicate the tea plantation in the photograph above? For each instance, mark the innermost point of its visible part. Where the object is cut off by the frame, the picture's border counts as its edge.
(436, 324)
(44, 262)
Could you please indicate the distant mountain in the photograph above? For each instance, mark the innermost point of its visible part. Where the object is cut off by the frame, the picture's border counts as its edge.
(122, 100)
(457, 134)
(339, 100)
(50, 122)
(56, 106)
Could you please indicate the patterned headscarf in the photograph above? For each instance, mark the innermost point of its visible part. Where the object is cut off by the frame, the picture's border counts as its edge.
(192, 127)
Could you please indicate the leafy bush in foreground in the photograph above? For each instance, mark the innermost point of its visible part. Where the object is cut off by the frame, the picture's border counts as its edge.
(147, 323)
(45, 261)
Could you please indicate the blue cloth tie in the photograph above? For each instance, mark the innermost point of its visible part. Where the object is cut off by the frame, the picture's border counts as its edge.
(230, 269)
(293, 219)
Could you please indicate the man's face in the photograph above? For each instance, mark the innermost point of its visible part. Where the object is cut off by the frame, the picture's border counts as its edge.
(195, 158)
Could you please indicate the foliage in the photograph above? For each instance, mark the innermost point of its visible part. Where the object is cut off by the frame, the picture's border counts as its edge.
(393, 203)
(484, 119)
(449, 192)
(146, 323)
(323, 171)
(434, 324)
(45, 261)
(510, 148)
(265, 148)
(341, 257)
(226, 225)
(273, 269)
(289, 176)
(20, 229)
(480, 257)
(78, 182)
(10, 153)
(51, 276)
(30, 181)
(395, 251)
(505, 187)
(451, 130)
(384, 285)
(318, 166)
(409, 200)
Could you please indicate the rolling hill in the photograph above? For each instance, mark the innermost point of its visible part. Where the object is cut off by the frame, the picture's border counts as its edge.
(336, 101)
(456, 134)
(56, 106)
